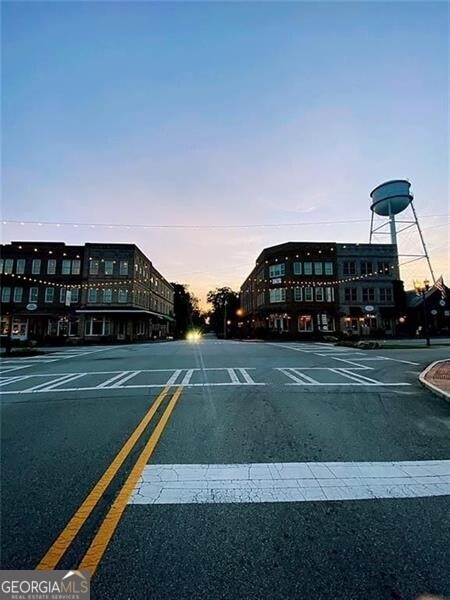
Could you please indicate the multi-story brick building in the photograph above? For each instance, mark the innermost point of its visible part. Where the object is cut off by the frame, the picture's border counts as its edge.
(309, 288)
(94, 292)
(35, 279)
(125, 296)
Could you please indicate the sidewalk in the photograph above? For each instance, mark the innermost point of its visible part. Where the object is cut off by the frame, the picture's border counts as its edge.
(436, 377)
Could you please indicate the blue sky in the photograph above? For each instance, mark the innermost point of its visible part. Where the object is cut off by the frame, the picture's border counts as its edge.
(222, 113)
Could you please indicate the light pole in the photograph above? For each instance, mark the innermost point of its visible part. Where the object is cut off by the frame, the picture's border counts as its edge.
(422, 288)
(224, 302)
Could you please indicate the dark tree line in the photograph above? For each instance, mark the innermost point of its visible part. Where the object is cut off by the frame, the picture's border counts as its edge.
(186, 309)
(223, 316)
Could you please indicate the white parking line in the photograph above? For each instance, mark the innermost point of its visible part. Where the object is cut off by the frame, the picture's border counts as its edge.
(291, 482)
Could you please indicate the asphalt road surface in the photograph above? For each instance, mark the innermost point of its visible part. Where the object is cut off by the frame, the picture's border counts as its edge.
(225, 469)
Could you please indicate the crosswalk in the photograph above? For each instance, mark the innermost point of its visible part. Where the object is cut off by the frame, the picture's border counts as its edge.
(17, 363)
(27, 383)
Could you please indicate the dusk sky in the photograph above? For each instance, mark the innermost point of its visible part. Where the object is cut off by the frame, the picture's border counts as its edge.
(223, 114)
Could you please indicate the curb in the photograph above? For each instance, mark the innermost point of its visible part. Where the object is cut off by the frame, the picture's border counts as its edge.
(433, 388)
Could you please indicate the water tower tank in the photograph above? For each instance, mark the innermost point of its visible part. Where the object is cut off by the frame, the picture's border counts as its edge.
(391, 197)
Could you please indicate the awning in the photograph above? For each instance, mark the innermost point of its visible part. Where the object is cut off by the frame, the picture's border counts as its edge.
(131, 311)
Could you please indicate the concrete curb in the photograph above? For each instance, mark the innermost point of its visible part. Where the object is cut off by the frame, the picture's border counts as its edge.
(433, 388)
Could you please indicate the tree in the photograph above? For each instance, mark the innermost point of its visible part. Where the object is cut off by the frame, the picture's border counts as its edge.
(225, 303)
(186, 309)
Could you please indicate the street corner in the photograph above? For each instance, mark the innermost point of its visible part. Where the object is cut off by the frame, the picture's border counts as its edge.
(436, 378)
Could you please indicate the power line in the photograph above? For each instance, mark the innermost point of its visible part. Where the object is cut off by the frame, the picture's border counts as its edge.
(193, 226)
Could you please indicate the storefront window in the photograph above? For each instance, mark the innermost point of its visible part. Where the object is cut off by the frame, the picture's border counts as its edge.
(305, 323)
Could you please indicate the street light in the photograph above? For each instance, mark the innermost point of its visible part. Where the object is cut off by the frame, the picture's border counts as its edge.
(422, 288)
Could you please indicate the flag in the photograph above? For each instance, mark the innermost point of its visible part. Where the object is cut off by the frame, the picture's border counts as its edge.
(439, 284)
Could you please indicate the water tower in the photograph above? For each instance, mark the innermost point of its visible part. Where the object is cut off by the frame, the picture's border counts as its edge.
(388, 200)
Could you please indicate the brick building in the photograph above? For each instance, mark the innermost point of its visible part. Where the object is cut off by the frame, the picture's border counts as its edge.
(95, 292)
(305, 289)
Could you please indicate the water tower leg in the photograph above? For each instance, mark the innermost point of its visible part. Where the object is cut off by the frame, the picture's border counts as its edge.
(393, 230)
(423, 243)
(371, 228)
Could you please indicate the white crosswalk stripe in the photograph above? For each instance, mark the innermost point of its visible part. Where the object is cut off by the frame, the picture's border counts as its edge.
(291, 482)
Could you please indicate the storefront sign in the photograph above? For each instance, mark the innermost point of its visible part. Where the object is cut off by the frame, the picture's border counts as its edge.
(31, 306)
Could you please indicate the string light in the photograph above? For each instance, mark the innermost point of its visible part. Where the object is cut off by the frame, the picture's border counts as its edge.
(193, 226)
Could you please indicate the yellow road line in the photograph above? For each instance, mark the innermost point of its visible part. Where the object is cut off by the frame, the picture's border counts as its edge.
(66, 537)
(103, 536)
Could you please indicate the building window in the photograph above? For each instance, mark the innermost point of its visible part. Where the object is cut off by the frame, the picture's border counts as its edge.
(36, 266)
(386, 294)
(366, 267)
(6, 294)
(98, 326)
(93, 267)
(349, 267)
(325, 322)
(9, 266)
(18, 294)
(123, 267)
(298, 294)
(368, 294)
(49, 294)
(329, 268)
(107, 295)
(66, 265)
(123, 296)
(92, 295)
(350, 294)
(51, 266)
(318, 268)
(74, 295)
(33, 294)
(109, 267)
(62, 295)
(305, 323)
(76, 267)
(20, 266)
(1, 265)
(309, 294)
(319, 294)
(277, 270)
(307, 268)
(384, 267)
(297, 268)
(277, 295)
(329, 294)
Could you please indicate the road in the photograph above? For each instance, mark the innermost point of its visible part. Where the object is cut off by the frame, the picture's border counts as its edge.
(228, 469)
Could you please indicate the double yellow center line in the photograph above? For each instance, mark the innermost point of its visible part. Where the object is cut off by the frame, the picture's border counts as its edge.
(104, 534)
